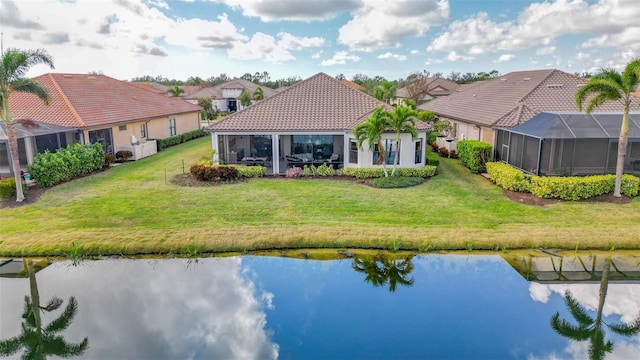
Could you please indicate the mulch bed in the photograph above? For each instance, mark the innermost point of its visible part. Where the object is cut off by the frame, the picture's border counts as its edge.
(31, 195)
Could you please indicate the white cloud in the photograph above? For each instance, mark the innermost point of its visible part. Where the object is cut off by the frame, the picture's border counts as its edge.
(261, 46)
(547, 50)
(340, 58)
(317, 54)
(389, 55)
(385, 24)
(431, 61)
(415, 52)
(454, 56)
(505, 58)
(278, 10)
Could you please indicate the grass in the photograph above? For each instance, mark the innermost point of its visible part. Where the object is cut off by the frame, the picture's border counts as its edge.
(130, 209)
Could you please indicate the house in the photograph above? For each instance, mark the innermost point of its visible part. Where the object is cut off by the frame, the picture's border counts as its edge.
(434, 87)
(353, 84)
(485, 110)
(310, 123)
(226, 96)
(98, 108)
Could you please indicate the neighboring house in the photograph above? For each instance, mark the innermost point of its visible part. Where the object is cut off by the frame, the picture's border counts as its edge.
(353, 84)
(226, 96)
(97, 108)
(154, 87)
(310, 123)
(484, 110)
(435, 87)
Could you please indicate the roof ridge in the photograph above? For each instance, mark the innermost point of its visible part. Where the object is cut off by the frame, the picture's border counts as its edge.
(65, 99)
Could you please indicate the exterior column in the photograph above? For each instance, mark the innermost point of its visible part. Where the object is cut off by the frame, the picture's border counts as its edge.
(214, 146)
(275, 149)
(28, 146)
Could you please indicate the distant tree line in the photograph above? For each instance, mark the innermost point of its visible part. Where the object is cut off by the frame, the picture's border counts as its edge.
(261, 78)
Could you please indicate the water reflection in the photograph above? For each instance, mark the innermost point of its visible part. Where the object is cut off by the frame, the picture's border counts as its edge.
(381, 269)
(37, 340)
(589, 328)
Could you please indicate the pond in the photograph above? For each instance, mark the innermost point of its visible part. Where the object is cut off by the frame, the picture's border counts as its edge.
(354, 306)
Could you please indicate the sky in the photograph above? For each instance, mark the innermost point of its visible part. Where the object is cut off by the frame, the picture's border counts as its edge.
(181, 39)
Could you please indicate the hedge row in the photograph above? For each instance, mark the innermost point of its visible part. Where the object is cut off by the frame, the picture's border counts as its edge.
(179, 139)
(366, 173)
(433, 159)
(49, 168)
(251, 171)
(565, 188)
(474, 154)
(224, 173)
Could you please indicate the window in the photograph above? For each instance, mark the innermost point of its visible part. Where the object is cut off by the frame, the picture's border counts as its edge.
(389, 152)
(418, 153)
(454, 130)
(122, 127)
(172, 127)
(143, 130)
(353, 151)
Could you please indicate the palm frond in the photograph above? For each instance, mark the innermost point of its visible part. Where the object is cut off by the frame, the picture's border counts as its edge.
(59, 347)
(10, 346)
(610, 88)
(578, 311)
(565, 329)
(32, 87)
(53, 304)
(63, 321)
(627, 329)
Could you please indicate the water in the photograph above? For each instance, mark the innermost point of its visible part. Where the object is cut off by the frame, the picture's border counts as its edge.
(441, 306)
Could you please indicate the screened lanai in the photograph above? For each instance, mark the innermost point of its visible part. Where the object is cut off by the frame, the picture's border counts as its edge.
(569, 144)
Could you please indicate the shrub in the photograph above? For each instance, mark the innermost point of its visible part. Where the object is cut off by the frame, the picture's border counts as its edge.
(7, 188)
(443, 152)
(67, 163)
(251, 171)
(123, 155)
(431, 138)
(214, 173)
(294, 172)
(433, 159)
(367, 173)
(422, 172)
(109, 159)
(453, 154)
(393, 182)
(308, 170)
(179, 139)
(435, 147)
(324, 170)
(508, 177)
(564, 188)
(474, 154)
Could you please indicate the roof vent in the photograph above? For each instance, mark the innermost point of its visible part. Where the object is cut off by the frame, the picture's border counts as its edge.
(503, 79)
(527, 79)
(554, 86)
(91, 77)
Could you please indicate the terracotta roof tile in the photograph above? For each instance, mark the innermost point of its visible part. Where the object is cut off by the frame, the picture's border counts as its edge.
(508, 100)
(80, 100)
(215, 92)
(319, 103)
(436, 86)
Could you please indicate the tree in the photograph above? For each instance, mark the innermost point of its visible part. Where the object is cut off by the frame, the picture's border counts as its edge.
(41, 341)
(15, 64)
(194, 81)
(371, 132)
(589, 328)
(401, 119)
(245, 99)
(417, 85)
(207, 106)
(175, 91)
(385, 92)
(340, 76)
(380, 270)
(258, 94)
(606, 85)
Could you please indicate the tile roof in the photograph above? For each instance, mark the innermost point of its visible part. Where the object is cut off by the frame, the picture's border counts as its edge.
(152, 86)
(81, 100)
(436, 86)
(319, 103)
(352, 84)
(215, 92)
(513, 98)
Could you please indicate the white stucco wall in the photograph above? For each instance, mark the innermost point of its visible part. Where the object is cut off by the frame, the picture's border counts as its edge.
(407, 151)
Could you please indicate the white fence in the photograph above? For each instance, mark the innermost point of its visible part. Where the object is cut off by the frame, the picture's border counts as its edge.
(141, 150)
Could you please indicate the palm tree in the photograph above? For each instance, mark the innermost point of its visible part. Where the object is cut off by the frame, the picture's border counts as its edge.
(385, 92)
(402, 118)
(381, 270)
(371, 131)
(39, 341)
(258, 94)
(176, 91)
(245, 99)
(15, 64)
(606, 85)
(589, 328)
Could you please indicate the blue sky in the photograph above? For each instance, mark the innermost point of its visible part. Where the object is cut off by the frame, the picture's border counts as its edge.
(179, 39)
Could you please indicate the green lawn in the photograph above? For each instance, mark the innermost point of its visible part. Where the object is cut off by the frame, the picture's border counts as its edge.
(130, 209)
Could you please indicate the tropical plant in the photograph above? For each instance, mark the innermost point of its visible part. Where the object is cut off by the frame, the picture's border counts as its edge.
(385, 92)
(245, 99)
(41, 341)
(403, 118)
(589, 328)
(258, 94)
(14, 65)
(175, 91)
(371, 132)
(381, 270)
(607, 85)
